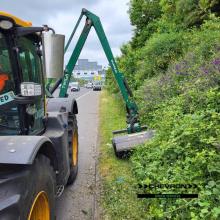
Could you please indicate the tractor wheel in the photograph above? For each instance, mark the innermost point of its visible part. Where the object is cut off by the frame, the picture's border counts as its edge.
(73, 148)
(42, 185)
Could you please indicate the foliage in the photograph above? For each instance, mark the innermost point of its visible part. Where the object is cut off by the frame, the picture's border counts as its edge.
(189, 12)
(183, 107)
(82, 82)
(111, 83)
(128, 64)
(149, 16)
(160, 50)
(152, 59)
(142, 15)
(173, 65)
(118, 196)
(185, 150)
(189, 69)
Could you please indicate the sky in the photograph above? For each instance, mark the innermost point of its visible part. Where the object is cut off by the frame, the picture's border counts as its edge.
(62, 16)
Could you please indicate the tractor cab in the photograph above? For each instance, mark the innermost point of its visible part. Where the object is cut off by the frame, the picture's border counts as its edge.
(19, 62)
(22, 93)
(39, 148)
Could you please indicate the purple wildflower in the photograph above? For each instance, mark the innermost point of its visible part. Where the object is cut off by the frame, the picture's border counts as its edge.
(177, 67)
(216, 62)
(204, 70)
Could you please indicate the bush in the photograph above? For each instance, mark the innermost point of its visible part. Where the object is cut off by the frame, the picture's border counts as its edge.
(198, 68)
(183, 105)
(159, 51)
(176, 75)
(185, 150)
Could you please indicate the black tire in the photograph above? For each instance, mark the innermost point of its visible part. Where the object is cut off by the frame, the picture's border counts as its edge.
(42, 179)
(72, 130)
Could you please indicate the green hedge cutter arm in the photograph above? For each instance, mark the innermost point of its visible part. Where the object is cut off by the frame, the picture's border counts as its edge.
(133, 125)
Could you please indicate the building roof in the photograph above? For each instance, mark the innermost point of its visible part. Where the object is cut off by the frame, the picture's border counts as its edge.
(84, 64)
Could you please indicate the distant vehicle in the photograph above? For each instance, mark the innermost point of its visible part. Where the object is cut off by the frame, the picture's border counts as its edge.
(74, 86)
(97, 86)
(89, 85)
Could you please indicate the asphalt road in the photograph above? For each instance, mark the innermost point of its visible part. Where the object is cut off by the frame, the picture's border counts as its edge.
(78, 202)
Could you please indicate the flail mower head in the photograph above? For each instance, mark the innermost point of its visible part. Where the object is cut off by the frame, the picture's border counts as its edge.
(123, 145)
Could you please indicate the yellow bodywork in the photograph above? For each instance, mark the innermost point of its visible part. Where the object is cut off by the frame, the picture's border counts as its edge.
(17, 20)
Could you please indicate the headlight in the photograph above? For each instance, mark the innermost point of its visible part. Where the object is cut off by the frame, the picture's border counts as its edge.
(5, 24)
(30, 89)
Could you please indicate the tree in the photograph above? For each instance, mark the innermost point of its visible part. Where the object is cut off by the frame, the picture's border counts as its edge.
(142, 14)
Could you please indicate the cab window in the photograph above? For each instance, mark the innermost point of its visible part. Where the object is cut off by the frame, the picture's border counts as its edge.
(9, 119)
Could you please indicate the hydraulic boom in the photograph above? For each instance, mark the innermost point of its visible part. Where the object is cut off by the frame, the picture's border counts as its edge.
(123, 143)
(93, 21)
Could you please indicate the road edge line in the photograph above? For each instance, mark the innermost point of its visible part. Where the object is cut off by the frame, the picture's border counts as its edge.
(77, 99)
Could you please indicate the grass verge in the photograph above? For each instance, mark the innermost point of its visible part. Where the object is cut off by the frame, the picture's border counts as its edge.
(118, 199)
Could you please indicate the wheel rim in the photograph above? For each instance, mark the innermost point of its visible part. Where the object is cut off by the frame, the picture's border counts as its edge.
(75, 149)
(40, 208)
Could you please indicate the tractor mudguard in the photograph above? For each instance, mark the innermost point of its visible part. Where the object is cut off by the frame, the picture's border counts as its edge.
(57, 132)
(21, 149)
(68, 104)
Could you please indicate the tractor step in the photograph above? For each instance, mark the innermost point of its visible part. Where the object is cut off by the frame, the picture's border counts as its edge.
(60, 190)
(124, 144)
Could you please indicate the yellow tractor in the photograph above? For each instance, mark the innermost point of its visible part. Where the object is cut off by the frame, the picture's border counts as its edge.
(38, 136)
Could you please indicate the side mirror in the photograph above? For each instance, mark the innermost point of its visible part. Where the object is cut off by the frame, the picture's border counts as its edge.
(53, 54)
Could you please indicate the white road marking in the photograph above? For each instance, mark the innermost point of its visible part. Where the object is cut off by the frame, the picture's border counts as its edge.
(83, 95)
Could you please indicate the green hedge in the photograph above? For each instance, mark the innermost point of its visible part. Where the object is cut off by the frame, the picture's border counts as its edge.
(175, 75)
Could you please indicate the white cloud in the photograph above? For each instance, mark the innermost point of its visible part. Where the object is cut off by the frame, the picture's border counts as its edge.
(62, 16)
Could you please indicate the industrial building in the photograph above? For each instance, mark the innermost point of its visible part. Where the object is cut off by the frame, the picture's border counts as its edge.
(88, 70)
